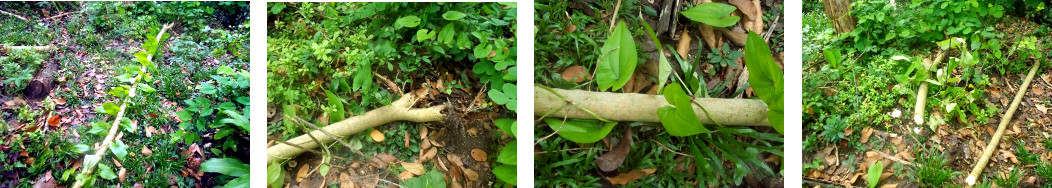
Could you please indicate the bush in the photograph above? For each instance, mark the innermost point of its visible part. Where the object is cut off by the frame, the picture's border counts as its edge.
(17, 69)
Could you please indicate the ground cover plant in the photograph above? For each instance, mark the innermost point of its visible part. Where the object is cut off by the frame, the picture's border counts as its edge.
(391, 94)
(662, 83)
(134, 94)
(925, 94)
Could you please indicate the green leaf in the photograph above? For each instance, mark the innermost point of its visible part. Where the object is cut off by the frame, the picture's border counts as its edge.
(106, 172)
(109, 108)
(505, 173)
(337, 111)
(424, 34)
(508, 154)
(581, 130)
(766, 78)
(408, 21)
(873, 176)
(119, 149)
(184, 115)
(664, 68)
(226, 166)
(146, 88)
(431, 179)
(275, 175)
(618, 60)
(447, 33)
(278, 6)
(714, 14)
(507, 125)
(453, 15)
(832, 56)
(81, 148)
(240, 182)
(208, 88)
(363, 79)
(681, 119)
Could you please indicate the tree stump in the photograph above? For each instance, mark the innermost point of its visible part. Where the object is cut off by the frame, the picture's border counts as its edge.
(839, 13)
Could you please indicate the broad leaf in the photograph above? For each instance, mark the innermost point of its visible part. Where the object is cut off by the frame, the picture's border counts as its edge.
(832, 56)
(873, 176)
(664, 68)
(119, 149)
(106, 172)
(453, 15)
(714, 14)
(240, 182)
(424, 34)
(337, 111)
(507, 125)
(508, 154)
(363, 79)
(226, 166)
(581, 130)
(681, 119)
(275, 175)
(408, 21)
(618, 60)
(766, 78)
(505, 173)
(431, 179)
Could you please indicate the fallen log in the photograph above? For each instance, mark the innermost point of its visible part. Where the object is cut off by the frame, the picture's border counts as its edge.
(996, 138)
(643, 108)
(400, 110)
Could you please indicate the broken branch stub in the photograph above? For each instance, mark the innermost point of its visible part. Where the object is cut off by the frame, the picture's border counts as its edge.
(400, 110)
(643, 108)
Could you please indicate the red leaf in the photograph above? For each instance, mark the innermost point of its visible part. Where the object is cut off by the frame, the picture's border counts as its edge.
(54, 120)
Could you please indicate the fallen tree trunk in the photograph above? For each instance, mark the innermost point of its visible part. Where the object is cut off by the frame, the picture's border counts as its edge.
(400, 110)
(42, 83)
(642, 107)
(996, 138)
(922, 91)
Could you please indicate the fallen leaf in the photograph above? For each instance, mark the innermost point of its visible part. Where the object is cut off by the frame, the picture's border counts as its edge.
(377, 135)
(575, 74)
(46, 181)
(611, 160)
(683, 47)
(302, 173)
(1042, 108)
(54, 120)
(121, 174)
(146, 151)
(406, 139)
(386, 157)
(149, 131)
(473, 131)
(623, 179)
(471, 174)
(405, 175)
(478, 155)
(345, 181)
(59, 102)
(866, 132)
(430, 154)
(415, 168)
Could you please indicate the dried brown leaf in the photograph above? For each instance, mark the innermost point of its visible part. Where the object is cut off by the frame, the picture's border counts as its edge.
(623, 179)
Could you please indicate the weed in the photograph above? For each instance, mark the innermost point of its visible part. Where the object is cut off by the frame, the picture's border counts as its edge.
(17, 69)
(1012, 179)
(1024, 155)
(724, 56)
(833, 130)
(931, 170)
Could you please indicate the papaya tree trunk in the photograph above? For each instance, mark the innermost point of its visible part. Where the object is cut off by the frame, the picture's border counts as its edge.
(643, 107)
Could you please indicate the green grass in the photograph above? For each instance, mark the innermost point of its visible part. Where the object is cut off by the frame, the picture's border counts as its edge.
(932, 171)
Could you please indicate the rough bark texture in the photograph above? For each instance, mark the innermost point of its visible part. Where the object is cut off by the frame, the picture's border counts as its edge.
(42, 82)
(642, 107)
(996, 138)
(400, 110)
(839, 13)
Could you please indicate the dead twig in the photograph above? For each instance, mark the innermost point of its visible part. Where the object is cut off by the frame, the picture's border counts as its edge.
(14, 15)
(59, 15)
(390, 84)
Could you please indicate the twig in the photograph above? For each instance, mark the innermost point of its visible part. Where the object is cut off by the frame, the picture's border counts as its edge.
(390, 84)
(14, 15)
(670, 149)
(553, 133)
(59, 15)
(566, 150)
(770, 30)
(996, 138)
(893, 158)
(614, 16)
(470, 107)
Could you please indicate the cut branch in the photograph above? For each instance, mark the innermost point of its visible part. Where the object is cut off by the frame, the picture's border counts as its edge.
(643, 108)
(101, 150)
(996, 138)
(35, 48)
(922, 91)
(14, 15)
(400, 110)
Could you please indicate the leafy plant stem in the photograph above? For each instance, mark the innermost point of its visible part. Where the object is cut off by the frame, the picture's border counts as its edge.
(101, 150)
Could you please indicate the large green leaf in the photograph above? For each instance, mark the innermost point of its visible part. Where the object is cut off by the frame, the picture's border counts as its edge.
(714, 14)
(453, 15)
(240, 182)
(408, 21)
(681, 119)
(431, 179)
(506, 124)
(363, 79)
(508, 154)
(119, 149)
(275, 175)
(505, 173)
(424, 34)
(873, 176)
(226, 166)
(581, 130)
(106, 172)
(618, 60)
(765, 78)
(337, 111)
(832, 56)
